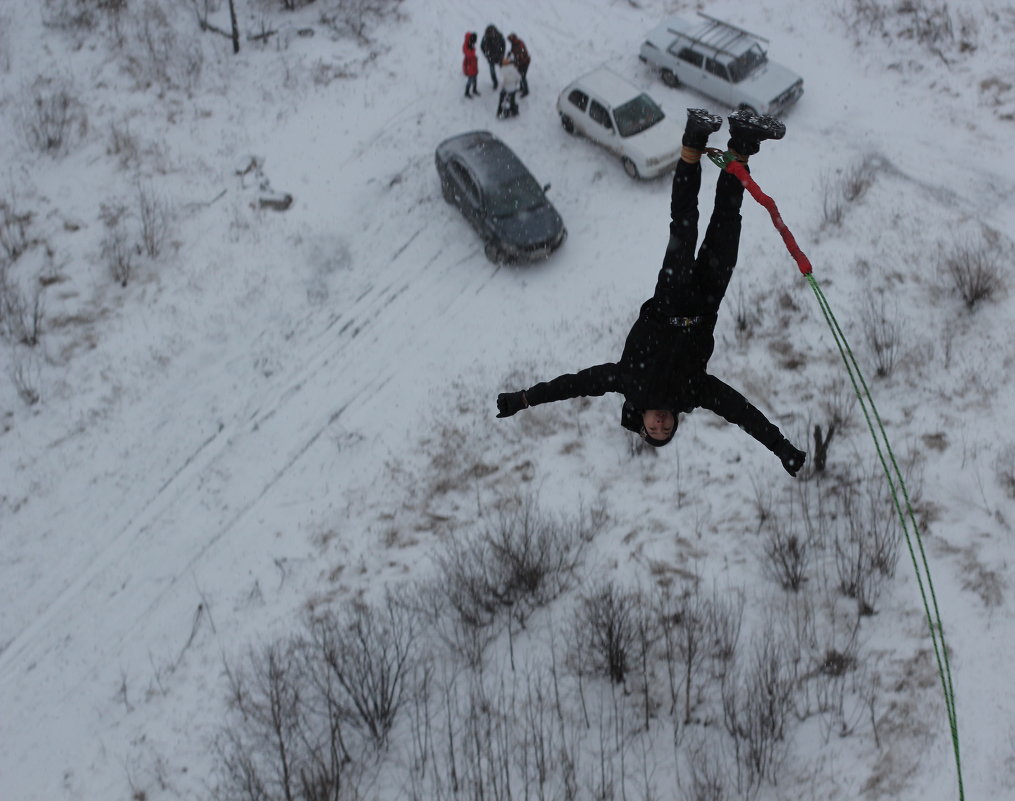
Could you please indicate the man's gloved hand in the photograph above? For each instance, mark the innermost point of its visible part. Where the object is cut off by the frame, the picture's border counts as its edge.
(792, 459)
(509, 403)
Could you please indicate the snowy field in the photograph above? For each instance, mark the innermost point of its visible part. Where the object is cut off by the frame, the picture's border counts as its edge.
(220, 422)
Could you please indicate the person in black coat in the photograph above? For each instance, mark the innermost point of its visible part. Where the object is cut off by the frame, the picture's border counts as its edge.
(493, 47)
(662, 370)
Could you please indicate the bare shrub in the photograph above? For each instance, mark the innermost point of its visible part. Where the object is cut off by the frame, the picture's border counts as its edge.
(52, 118)
(926, 22)
(123, 144)
(606, 634)
(519, 563)
(833, 210)
(866, 540)
(708, 774)
(757, 702)
(1004, 468)
(367, 652)
(882, 332)
(21, 315)
(974, 268)
(684, 622)
(117, 248)
(160, 56)
(745, 320)
(14, 224)
(155, 216)
(305, 708)
(844, 187)
(857, 179)
(355, 18)
(24, 374)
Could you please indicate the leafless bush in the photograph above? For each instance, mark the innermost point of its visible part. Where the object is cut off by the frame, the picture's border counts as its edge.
(13, 229)
(606, 634)
(867, 539)
(117, 248)
(788, 553)
(685, 623)
(882, 332)
(833, 210)
(51, 115)
(927, 22)
(155, 216)
(356, 17)
(123, 144)
(24, 374)
(1004, 467)
(367, 652)
(844, 187)
(521, 562)
(708, 774)
(162, 57)
(82, 15)
(757, 702)
(746, 320)
(974, 268)
(21, 317)
(305, 707)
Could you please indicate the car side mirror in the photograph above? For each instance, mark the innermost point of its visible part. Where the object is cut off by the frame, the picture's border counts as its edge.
(546, 189)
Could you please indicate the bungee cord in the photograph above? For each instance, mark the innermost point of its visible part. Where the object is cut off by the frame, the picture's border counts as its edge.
(889, 464)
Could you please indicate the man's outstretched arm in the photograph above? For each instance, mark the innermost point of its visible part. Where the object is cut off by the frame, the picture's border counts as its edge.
(596, 380)
(721, 398)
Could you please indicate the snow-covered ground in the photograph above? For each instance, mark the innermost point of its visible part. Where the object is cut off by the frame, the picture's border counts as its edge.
(281, 411)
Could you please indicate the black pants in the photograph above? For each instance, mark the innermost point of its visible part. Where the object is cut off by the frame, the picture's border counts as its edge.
(493, 73)
(525, 81)
(507, 107)
(690, 285)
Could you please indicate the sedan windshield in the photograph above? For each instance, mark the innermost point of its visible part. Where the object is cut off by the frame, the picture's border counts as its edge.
(637, 115)
(516, 194)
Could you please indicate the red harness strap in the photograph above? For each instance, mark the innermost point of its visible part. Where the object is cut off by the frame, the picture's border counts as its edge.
(802, 262)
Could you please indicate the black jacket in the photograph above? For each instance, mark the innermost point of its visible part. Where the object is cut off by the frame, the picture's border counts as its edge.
(493, 45)
(663, 367)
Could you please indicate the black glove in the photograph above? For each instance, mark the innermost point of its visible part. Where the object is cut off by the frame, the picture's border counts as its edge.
(792, 459)
(509, 403)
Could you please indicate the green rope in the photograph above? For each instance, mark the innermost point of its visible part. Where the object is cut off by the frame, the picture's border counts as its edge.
(907, 518)
(893, 475)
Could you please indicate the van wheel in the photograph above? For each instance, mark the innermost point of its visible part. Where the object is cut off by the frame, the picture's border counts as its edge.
(670, 78)
(567, 123)
(630, 168)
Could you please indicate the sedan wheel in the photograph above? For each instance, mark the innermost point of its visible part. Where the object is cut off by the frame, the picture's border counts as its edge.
(630, 167)
(447, 192)
(670, 78)
(567, 123)
(494, 253)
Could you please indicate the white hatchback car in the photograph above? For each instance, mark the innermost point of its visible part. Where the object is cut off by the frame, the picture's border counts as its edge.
(616, 114)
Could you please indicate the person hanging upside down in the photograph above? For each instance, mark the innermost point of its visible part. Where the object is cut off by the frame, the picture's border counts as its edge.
(662, 371)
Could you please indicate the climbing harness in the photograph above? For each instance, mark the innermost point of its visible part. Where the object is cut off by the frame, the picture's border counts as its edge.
(893, 475)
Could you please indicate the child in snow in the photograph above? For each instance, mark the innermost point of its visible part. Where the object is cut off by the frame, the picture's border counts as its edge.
(470, 64)
(662, 370)
(511, 80)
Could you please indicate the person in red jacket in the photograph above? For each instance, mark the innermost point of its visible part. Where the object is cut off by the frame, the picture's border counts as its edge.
(520, 56)
(470, 64)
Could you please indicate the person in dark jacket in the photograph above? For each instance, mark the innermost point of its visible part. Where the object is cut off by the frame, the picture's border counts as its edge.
(662, 370)
(470, 64)
(493, 47)
(520, 56)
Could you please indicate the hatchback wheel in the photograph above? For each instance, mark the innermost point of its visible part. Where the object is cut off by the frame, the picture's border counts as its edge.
(670, 78)
(494, 253)
(630, 167)
(567, 123)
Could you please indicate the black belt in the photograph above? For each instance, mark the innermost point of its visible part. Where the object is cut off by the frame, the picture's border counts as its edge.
(686, 322)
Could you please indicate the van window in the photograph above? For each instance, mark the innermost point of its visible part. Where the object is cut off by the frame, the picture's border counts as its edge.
(691, 56)
(717, 69)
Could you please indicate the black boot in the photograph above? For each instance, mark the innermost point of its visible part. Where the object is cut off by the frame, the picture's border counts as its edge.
(700, 123)
(748, 130)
